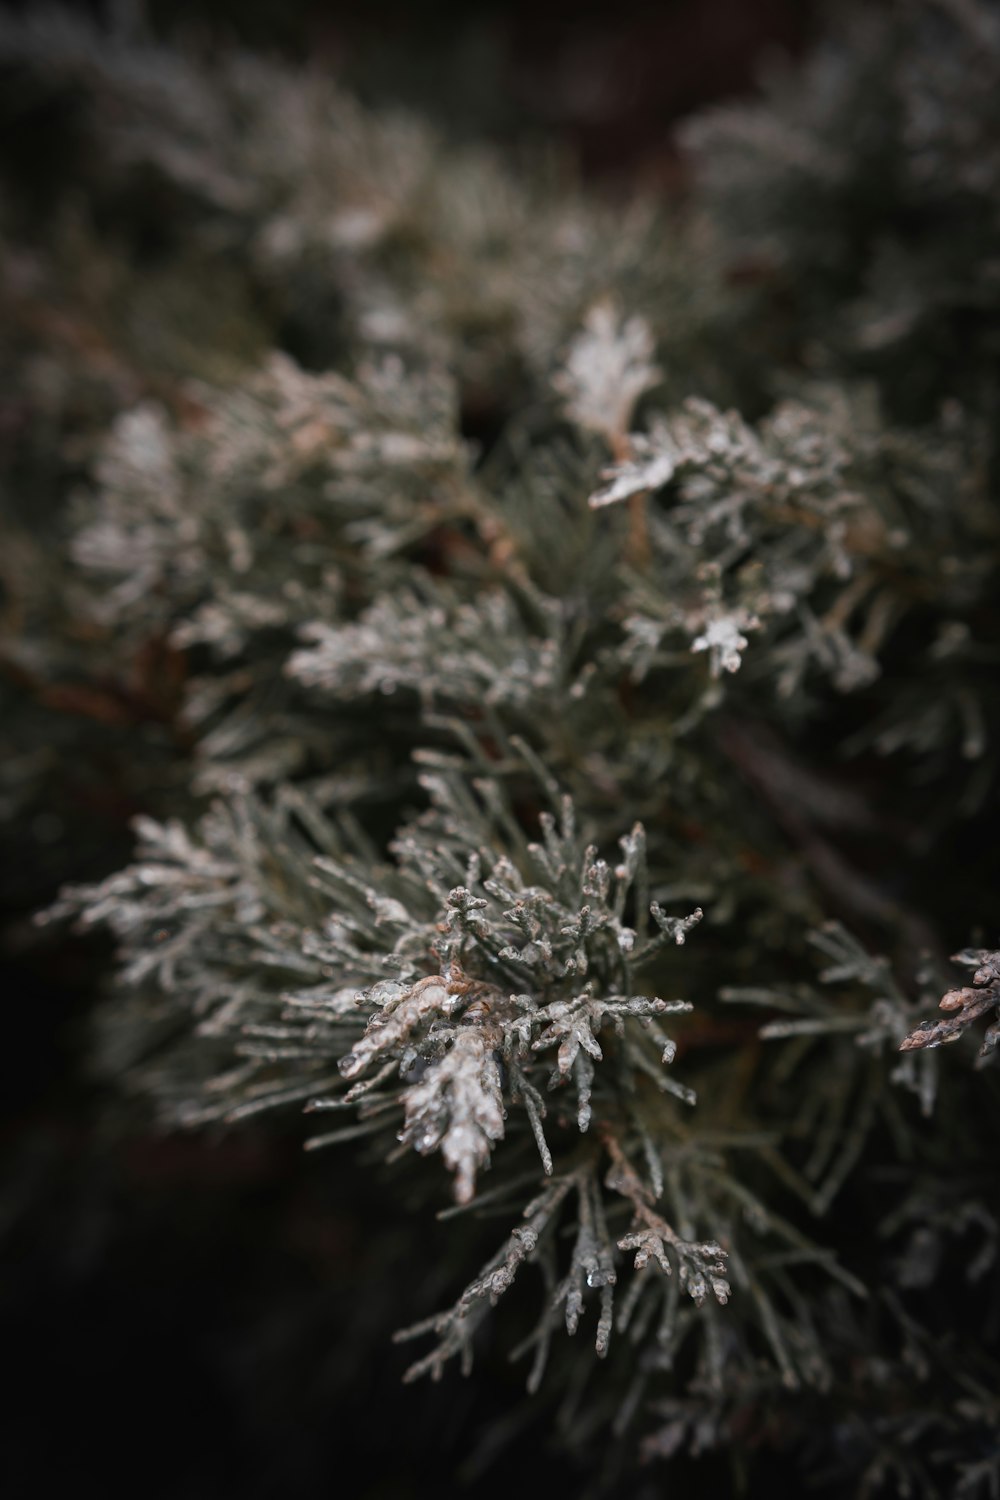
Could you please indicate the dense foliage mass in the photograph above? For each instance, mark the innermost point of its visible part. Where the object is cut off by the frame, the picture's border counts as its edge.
(539, 628)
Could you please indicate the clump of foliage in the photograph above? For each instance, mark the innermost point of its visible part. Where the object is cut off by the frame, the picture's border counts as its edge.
(569, 636)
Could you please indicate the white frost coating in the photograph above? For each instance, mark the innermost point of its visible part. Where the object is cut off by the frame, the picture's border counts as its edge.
(457, 1108)
(390, 1028)
(433, 646)
(724, 638)
(608, 367)
(653, 464)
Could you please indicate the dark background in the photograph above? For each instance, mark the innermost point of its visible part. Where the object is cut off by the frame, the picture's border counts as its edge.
(188, 1317)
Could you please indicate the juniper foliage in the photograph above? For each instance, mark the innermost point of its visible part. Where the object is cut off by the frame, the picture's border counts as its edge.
(575, 634)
